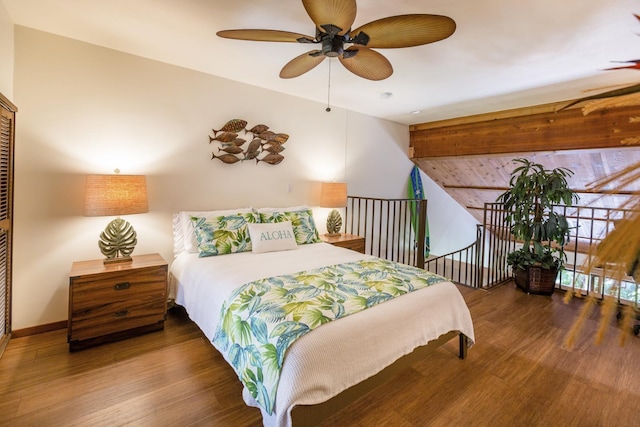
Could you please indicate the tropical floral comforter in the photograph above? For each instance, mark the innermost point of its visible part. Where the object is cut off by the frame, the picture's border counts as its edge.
(261, 319)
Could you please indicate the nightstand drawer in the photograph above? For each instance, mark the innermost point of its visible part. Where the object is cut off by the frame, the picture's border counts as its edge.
(108, 302)
(355, 245)
(116, 317)
(346, 240)
(88, 292)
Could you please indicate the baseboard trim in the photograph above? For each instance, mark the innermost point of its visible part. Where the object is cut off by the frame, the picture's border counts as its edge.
(34, 330)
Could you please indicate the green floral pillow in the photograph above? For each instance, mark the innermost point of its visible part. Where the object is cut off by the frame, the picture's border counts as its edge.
(222, 235)
(304, 227)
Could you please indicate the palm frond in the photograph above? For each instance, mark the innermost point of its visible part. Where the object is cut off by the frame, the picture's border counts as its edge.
(619, 251)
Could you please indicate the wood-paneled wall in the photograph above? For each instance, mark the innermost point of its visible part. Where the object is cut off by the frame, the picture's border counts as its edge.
(471, 157)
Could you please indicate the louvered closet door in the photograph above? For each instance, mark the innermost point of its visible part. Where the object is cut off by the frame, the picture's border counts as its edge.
(7, 129)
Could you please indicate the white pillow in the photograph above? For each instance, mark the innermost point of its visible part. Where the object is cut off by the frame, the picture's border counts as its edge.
(272, 237)
(286, 209)
(178, 236)
(188, 232)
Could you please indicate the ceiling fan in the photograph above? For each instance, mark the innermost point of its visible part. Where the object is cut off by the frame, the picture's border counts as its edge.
(354, 49)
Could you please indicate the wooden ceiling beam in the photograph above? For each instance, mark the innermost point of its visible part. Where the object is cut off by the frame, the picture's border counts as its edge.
(533, 129)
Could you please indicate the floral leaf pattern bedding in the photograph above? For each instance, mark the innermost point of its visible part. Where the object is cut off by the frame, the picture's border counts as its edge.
(225, 234)
(261, 319)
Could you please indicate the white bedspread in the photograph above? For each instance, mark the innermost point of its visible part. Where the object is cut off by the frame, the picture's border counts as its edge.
(338, 354)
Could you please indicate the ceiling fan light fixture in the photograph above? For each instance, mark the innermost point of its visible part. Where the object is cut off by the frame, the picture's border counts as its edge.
(333, 20)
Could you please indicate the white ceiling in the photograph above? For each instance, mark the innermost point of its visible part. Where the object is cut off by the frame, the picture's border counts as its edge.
(504, 54)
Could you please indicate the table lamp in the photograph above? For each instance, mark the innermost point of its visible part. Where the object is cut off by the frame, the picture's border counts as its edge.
(115, 195)
(333, 195)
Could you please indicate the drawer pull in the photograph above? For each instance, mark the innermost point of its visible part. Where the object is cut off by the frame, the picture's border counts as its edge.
(122, 286)
(121, 313)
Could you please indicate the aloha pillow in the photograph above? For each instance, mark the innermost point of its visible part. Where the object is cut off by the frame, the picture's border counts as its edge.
(277, 236)
(225, 234)
(304, 227)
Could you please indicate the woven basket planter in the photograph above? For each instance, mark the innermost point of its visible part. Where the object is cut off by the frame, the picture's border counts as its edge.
(536, 280)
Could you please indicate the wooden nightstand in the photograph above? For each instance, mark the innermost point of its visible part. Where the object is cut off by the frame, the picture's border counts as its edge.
(345, 240)
(115, 301)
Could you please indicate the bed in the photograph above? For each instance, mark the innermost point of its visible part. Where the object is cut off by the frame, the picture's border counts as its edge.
(335, 361)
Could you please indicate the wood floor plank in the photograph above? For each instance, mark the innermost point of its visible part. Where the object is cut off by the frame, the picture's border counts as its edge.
(8, 410)
(519, 372)
(169, 404)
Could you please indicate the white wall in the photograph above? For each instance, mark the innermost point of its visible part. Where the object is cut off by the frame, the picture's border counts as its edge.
(6, 53)
(451, 227)
(86, 109)
(378, 166)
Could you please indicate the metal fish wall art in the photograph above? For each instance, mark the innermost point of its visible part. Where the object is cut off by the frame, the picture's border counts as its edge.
(257, 129)
(235, 125)
(225, 158)
(274, 149)
(265, 146)
(272, 159)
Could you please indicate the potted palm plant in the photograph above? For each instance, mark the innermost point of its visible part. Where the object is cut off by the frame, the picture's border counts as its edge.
(528, 203)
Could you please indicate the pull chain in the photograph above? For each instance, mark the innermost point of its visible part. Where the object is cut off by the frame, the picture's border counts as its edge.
(328, 109)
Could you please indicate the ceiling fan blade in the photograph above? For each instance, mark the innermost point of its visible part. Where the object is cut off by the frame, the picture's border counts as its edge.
(264, 36)
(301, 64)
(406, 30)
(340, 13)
(366, 63)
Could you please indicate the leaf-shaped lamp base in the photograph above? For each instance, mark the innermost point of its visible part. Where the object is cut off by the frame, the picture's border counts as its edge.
(117, 241)
(334, 223)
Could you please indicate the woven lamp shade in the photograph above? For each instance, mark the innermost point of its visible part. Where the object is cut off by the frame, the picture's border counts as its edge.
(114, 195)
(333, 195)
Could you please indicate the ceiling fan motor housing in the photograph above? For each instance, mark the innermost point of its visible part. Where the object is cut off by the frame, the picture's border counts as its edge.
(332, 46)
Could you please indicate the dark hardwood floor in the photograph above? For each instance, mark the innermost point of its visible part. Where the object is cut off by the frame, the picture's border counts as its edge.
(517, 374)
